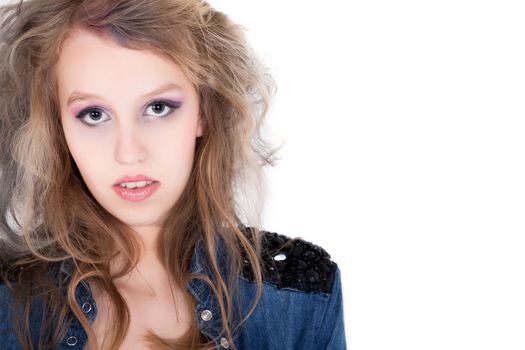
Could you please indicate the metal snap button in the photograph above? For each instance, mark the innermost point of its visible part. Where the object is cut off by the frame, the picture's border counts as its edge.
(86, 307)
(71, 341)
(225, 343)
(206, 315)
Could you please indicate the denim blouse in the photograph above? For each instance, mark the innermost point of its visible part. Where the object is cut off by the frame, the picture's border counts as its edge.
(301, 305)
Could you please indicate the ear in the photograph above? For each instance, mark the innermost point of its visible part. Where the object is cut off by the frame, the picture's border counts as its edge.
(200, 126)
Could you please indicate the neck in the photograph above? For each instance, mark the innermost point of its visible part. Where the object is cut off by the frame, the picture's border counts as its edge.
(149, 274)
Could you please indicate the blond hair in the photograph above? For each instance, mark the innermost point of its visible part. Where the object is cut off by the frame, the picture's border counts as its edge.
(47, 213)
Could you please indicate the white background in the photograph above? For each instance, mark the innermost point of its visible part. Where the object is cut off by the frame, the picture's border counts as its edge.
(403, 124)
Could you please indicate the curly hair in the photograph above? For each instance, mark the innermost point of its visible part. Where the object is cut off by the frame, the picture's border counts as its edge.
(47, 214)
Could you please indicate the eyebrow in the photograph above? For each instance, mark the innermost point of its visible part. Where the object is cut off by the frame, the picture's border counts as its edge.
(78, 95)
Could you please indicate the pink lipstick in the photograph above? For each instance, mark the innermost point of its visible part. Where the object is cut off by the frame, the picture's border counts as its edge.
(138, 193)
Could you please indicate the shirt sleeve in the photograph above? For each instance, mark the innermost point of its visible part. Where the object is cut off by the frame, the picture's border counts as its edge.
(333, 320)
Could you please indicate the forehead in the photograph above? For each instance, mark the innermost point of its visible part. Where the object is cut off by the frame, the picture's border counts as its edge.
(95, 61)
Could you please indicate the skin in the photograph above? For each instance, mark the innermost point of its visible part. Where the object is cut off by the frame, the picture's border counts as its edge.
(132, 136)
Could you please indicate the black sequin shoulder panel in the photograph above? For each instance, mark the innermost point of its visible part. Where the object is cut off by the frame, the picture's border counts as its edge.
(294, 263)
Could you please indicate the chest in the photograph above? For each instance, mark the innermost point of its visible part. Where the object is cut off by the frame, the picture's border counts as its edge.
(166, 316)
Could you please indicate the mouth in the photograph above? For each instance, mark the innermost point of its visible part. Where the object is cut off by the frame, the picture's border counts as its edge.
(134, 181)
(135, 185)
(140, 192)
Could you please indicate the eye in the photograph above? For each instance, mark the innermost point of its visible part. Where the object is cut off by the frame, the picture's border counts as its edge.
(92, 116)
(91, 113)
(162, 108)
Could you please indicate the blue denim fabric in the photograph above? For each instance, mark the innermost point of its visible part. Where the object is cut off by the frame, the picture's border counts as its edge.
(284, 319)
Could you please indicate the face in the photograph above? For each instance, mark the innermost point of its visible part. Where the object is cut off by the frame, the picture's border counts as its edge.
(131, 116)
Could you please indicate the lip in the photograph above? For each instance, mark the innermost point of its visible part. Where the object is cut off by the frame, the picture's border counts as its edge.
(133, 179)
(136, 194)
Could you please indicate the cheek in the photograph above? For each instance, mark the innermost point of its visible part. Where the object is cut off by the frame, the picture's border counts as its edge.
(88, 157)
(175, 138)
(175, 160)
(176, 150)
(90, 168)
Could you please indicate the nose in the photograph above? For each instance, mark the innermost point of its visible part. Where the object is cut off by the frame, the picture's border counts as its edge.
(130, 149)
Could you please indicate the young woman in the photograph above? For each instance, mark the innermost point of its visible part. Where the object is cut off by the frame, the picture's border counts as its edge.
(129, 133)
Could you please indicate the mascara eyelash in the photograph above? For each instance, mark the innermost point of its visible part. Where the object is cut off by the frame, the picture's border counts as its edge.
(172, 104)
(87, 110)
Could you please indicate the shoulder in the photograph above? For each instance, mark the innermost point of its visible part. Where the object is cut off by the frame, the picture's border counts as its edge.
(294, 263)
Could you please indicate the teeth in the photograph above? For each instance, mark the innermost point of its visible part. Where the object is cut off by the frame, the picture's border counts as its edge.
(135, 184)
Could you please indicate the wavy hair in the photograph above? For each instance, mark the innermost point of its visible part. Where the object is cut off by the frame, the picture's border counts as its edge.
(47, 214)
